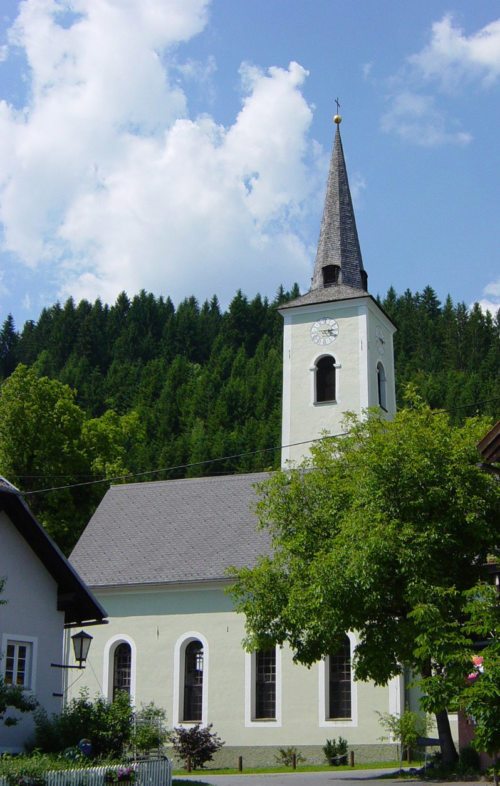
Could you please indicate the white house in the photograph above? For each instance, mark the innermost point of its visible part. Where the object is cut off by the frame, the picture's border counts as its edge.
(157, 554)
(42, 596)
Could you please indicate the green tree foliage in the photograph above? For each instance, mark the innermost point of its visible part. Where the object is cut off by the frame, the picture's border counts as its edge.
(193, 383)
(46, 442)
(390, 517)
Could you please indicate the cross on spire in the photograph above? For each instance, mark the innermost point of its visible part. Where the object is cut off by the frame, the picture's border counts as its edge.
(338, 104)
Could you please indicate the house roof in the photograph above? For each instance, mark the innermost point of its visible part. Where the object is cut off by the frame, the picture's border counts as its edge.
(489, 447)
(73, 597)
(189, 530)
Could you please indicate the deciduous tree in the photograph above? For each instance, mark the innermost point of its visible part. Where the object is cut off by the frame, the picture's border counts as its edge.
(379, 522)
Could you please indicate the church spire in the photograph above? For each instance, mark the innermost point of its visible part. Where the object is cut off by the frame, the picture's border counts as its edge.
(338, 259)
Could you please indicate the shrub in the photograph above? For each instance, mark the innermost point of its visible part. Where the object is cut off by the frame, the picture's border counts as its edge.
(285, 756)
(108, 725)
(405, 729)
(149, 729)
(195, 746)
(336, 751)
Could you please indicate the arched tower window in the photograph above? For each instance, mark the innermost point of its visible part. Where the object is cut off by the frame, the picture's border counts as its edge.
(122, 668)
(339, 682)
(193, 682)
(381, 386)
(331, 275)
(325, 379)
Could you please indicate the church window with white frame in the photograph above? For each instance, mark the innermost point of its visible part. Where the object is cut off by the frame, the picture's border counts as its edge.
(325, 379)
(265, 684)
(122, 669)
(193, 682)
(339, 694)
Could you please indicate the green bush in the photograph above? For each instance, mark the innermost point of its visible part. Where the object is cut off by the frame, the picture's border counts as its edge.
(336, 751)
(108, 725)
(149, 729)
(285, 756)
(195, 746)
(405, 729)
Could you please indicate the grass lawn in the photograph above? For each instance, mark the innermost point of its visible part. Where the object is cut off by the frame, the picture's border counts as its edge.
(377, 765)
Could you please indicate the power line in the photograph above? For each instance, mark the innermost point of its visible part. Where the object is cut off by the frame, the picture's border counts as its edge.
(182, 466)
(189, 465)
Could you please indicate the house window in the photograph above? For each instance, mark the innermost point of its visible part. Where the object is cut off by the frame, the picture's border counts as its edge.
(331, 275)
(122, 669)
(265, 684)
(193, 682)
(339, 682)
(18, 663)
(381, 386)
(325, 379)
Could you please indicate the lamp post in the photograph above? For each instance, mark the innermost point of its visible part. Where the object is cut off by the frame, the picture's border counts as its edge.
(81, 643)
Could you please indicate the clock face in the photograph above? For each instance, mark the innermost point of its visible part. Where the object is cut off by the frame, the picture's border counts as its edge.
(380, 340)
(324, 331)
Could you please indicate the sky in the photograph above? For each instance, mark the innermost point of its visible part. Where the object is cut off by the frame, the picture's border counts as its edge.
(182, 146)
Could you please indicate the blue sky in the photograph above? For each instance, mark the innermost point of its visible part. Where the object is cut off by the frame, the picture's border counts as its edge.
(181, 146)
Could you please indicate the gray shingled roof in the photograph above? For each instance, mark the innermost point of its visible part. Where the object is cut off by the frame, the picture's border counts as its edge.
(325, 295)
(338, 240)
(172, 531)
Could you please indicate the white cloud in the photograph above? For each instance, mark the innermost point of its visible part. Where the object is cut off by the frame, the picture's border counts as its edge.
(416, 106)
(452, 57)
(416, 119)
(491, 297)
(108, 184)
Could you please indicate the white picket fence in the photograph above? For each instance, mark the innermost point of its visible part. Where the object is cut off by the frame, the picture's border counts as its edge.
(148, 773)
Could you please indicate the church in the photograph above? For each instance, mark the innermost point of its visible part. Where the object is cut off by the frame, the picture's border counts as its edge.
(156, 555)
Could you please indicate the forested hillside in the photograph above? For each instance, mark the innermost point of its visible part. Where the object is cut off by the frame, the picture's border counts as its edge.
(91, 391)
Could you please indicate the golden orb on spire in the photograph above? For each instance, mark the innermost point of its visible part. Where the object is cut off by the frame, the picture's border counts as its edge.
(337, 119)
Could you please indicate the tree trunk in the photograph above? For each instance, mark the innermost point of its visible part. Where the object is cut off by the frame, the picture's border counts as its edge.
(448, 751)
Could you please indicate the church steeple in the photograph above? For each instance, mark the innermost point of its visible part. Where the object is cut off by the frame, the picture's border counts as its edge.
(338, 259)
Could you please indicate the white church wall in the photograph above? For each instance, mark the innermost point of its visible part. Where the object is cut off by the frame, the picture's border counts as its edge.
(157, 621)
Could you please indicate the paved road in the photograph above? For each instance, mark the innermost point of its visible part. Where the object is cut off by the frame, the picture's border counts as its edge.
(325, 778)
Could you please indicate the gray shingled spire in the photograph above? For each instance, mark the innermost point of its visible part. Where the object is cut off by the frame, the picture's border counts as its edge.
(338, 260)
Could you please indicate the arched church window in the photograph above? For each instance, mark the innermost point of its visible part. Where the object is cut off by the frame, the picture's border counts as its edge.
(339, 677)
(122, 663)
(381, 386)
(193, 682)
(331, 275)
(325, 379)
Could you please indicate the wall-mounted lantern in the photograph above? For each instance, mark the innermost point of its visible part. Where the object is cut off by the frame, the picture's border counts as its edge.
(81, 643)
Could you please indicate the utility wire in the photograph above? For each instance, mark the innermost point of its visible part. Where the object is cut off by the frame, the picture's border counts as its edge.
(183, 466)
(189, 465)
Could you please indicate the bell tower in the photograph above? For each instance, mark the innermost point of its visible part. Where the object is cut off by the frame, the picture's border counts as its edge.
(337, 342)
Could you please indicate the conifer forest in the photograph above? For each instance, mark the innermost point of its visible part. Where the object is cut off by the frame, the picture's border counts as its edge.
(143, 390)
